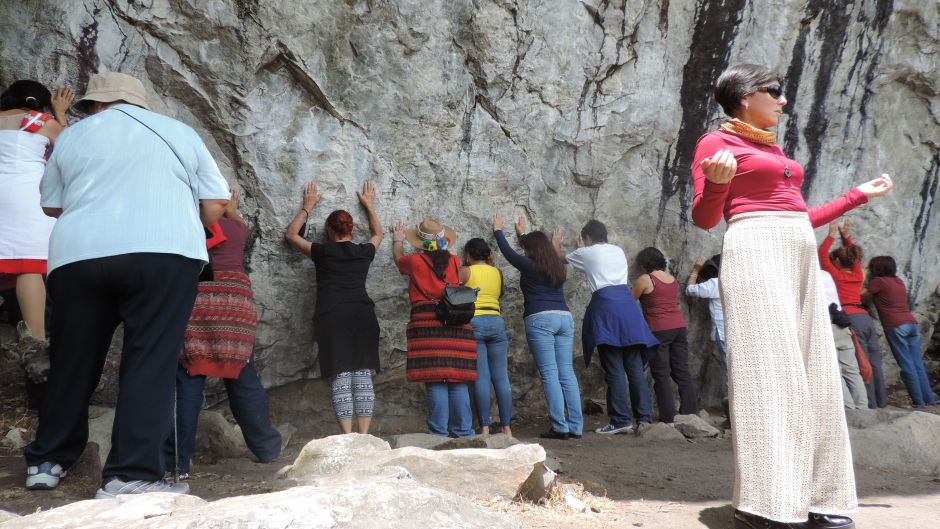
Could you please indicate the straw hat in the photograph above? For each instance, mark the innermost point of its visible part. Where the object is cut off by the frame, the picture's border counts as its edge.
(108, 87)
(431, 235)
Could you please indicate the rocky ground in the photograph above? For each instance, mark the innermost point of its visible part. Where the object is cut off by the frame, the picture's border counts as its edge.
(619, 481)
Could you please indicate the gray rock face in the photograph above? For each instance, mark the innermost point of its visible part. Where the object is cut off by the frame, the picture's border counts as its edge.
(559, 111)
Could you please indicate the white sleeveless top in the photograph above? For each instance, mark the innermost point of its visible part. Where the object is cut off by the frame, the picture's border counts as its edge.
(24, 228)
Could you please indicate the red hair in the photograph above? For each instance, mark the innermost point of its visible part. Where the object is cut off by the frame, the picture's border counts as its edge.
(339, 225)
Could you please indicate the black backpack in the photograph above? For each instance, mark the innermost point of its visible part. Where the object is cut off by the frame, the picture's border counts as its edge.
(457, 304)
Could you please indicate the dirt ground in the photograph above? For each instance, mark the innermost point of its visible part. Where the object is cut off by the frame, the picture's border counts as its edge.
(624, 480)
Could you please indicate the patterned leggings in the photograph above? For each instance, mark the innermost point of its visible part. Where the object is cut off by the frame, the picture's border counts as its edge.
(353, 392)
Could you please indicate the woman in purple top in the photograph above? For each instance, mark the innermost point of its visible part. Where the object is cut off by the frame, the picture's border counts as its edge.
(890, 297)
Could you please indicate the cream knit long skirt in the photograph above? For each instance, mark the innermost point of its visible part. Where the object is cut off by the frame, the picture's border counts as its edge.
(790, 440)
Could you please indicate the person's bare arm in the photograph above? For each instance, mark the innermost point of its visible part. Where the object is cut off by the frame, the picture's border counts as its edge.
(463, 275)
(231, 209)
(310, 199)
(367, 199)
(52, 212)
(211, 210)
(642, 285)
(696, 268)
(398, 242)
(61, 102)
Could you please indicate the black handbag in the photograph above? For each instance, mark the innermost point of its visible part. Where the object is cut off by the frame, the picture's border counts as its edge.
(457, 304)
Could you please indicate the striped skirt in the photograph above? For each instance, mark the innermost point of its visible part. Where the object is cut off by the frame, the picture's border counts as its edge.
(790, 440)
(221, 332)
(438, 352)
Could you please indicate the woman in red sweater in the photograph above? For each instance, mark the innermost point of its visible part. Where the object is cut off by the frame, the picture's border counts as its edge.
(844, 264)
(793, 463)
(890, 297)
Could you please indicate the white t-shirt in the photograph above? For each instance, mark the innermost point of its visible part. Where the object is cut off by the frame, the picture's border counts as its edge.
(604, 265)
(832, 295)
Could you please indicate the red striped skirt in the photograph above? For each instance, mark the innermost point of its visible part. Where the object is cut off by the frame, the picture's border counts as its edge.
(221, 331)
(438, 352)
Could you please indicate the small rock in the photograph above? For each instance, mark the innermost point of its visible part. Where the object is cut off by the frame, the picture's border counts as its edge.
(693, 427)
(660, 432)
(419, 440)
(216, 438)
(575, 504)
(539, 483)
(16, 439)
(287, 431)
(594, 407)
(495, 441)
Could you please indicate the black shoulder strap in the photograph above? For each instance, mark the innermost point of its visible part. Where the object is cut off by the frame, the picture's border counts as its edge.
(192, 188)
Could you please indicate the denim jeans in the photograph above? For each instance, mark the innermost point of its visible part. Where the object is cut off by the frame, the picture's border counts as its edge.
(623, 364)
(449, 409)
(492, 360)
(905, 344)
(551, 336)
(248, 402)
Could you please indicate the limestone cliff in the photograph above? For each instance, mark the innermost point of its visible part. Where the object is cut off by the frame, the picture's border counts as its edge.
(559, 110)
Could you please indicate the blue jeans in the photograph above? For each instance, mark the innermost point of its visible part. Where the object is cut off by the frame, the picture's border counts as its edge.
(248, 402)
(551, 336)
(905, 344)
(492, 359)
(620, 365)
(449, 409)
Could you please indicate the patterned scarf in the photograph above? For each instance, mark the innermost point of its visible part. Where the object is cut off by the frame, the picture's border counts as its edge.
(749, 132)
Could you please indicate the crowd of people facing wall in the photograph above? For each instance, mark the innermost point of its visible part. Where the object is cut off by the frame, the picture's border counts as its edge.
(182, 325)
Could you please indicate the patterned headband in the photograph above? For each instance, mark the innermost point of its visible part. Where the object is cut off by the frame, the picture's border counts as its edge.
(432, 241)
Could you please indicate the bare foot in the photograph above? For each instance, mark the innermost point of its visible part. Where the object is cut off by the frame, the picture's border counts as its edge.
(484, 430)
(507, 430)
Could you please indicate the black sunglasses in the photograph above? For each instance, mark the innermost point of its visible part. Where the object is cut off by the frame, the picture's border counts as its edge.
(774, 90)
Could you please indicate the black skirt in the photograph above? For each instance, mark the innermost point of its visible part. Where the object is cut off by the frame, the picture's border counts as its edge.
(347, 338)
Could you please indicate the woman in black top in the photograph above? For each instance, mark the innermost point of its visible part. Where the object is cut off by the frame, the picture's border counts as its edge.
(345, 326)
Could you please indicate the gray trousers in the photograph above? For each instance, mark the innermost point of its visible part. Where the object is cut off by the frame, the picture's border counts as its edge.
(854, 394)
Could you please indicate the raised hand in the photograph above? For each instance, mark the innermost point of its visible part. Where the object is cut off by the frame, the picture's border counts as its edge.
(878, 187)
(311, 196)
(398, 234)
(699, 264)
(232, 207)
(520, 225)
(62, 100)
(720, 168)
(833, 228)
(558, 237)
(498, 222)
(846, 226)
(367, 196)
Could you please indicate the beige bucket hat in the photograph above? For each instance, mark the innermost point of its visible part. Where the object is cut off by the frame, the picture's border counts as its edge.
(429, 235)
(108, 87)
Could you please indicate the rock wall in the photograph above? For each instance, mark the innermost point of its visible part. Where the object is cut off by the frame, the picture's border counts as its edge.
(558, 110)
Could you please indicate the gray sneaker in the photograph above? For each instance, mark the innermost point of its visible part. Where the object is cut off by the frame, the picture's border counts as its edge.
(45, 476)
(116, 487)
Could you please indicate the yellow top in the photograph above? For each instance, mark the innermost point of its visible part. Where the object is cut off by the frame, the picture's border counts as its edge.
(490, 282)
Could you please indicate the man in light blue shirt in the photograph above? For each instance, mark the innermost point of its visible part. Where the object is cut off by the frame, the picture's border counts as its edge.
(132, 191)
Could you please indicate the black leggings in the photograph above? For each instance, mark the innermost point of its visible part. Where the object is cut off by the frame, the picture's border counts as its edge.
(671, 360)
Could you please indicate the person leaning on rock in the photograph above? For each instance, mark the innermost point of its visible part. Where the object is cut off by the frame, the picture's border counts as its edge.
(132, 191)
(344, 322)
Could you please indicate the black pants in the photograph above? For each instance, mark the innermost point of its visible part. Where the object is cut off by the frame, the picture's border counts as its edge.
(152, 294)
(671, 360)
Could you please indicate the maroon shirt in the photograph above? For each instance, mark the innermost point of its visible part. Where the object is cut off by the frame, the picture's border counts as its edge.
(661, 306)
(890, 297)
(229, 256)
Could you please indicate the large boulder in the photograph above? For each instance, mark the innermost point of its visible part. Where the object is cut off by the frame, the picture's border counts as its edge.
(389, 500)
(473, 473)
(216, 438)
(905, 442)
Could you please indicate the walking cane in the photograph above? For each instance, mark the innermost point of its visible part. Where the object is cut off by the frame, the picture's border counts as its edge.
(176, 446)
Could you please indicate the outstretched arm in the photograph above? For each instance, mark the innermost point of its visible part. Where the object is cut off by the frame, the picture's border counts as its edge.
(834, 209)
(310, 199)
(398, 242)
(696, 268)
(367, 199)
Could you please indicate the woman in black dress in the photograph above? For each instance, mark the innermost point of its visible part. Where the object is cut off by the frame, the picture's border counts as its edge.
(345, 326)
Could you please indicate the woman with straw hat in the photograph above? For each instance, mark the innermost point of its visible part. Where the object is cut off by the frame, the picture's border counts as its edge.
(443, 357)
